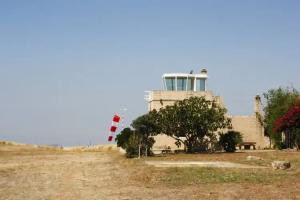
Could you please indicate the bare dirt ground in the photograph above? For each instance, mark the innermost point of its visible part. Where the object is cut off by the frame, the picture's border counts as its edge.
(38, 173)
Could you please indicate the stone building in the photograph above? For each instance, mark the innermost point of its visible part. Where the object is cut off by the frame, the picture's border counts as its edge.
(180, 86)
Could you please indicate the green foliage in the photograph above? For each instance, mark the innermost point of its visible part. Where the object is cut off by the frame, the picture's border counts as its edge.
(129, 141)
(123, 137)
(278, 102)
(147, 126)
(132, 145)
(196, 119)
(229, 140)
(141, 138)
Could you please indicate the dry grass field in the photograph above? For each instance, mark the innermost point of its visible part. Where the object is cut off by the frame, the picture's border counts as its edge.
(31, 172)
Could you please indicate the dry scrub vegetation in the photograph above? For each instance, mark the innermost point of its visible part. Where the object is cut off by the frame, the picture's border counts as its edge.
(31, 172)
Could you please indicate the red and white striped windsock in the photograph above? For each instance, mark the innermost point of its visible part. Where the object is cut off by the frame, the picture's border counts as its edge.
(113, 128)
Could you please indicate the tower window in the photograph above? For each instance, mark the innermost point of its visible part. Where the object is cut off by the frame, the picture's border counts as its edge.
(200, 83)
(181, 84)
(170, 83)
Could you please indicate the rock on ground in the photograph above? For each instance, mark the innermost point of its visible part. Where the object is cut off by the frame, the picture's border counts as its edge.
(281, 165)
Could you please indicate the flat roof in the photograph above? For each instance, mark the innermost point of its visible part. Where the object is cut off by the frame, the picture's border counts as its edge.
(202, 75)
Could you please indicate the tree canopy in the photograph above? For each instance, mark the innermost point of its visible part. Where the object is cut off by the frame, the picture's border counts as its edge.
(229, 140)
(196, 119)
(145, 127)
(123, 137)
(278, 102)
(147, 124)
(140, 137)
(289, 120)
(289, 123)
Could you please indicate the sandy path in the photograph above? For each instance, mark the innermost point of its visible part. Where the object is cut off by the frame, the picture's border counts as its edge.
(217, 164)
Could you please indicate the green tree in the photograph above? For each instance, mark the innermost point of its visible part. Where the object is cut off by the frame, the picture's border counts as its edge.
(289, 124)
(132, 145)
(129, 140)
(140, 139)
(196, 119)
(229, 140)
(278, 102)
(123, 137)
(147, 126)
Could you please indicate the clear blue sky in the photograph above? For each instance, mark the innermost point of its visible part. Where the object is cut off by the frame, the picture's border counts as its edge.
(67, 66)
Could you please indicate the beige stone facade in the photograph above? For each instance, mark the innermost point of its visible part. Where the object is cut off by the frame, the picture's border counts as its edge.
(160, 98)
(249, 126)
(251, 130)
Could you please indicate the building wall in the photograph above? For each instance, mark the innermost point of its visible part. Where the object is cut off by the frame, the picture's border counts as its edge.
(251, 130)
(162, 142)
(249, 126)
(160, 98)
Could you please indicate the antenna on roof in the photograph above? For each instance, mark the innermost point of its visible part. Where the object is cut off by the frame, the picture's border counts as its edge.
(191, 72)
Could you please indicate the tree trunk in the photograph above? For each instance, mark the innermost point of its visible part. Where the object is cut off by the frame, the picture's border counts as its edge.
(146, 150)
(189, 147)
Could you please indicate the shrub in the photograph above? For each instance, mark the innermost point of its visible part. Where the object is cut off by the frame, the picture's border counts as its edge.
(229, 140)
(133, 141)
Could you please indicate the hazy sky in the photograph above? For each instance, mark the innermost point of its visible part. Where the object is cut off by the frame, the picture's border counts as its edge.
(67, 66)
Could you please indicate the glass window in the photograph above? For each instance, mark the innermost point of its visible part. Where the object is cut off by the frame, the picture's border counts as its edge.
(170, 83)
(200, 84)
(181, 84)
(190, 84)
